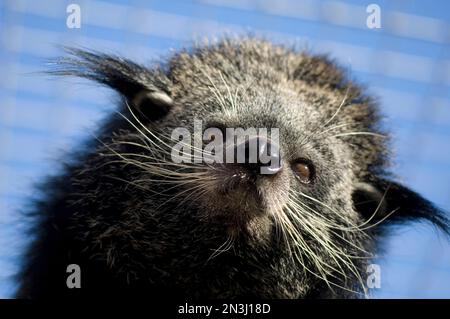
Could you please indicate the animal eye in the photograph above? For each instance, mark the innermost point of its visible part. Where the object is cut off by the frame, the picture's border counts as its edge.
(304, 170)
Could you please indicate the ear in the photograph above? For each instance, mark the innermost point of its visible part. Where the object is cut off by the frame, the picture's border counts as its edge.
(147, 92)
(382, 199)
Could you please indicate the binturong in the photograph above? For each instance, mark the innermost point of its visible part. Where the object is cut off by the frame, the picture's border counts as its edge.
(136, 221)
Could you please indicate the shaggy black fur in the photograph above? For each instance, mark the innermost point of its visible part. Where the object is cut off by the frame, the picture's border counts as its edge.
(137, 231)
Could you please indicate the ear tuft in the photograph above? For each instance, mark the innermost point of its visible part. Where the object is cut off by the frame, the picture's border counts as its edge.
(396, 203)
(144, 89)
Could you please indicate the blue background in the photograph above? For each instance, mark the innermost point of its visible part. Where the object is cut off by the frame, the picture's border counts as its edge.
(406, 63)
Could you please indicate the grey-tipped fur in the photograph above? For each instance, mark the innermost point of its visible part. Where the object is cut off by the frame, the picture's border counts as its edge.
(139, 225)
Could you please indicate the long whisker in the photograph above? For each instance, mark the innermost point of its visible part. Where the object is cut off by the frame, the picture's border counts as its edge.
(360, 133)
(223, 248)
(339, 108)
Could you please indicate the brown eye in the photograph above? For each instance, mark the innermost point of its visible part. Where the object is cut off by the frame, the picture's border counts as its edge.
(304, 170)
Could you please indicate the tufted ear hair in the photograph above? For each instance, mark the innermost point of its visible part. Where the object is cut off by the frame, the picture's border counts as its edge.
(382, 199)
(146, 91)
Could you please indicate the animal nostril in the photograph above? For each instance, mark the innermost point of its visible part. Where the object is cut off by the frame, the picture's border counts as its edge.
(259, 156)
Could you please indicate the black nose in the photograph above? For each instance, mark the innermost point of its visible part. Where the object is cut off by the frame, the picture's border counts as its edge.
(259, 156)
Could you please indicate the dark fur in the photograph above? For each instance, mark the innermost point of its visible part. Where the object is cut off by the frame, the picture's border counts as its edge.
(130, 242)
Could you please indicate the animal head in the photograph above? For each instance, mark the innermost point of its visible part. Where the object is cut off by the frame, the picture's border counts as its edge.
(322, 206)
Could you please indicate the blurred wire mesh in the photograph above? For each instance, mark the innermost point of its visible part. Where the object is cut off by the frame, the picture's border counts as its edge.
(406, 63)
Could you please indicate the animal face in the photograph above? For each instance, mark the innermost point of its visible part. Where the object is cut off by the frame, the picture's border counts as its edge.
(309, 200)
